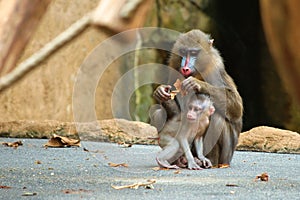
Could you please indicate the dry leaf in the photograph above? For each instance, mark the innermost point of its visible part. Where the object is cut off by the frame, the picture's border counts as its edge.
(177, 172)
(155, 168)
(4, 187)
(60, 141)
(72, 191)
(124, 144)
(136, 185)
(174, 93)
(231, 185)
(117, 165)
(13, 144)
(93, 151)
(223, 165)
(262, 177)
(159, 168)
(84, 149)
(177, 85)
(37, 162)
(153, 138)
(29, 194)
(150, 187)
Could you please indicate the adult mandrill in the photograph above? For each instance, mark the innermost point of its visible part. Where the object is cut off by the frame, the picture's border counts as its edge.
(201, 64)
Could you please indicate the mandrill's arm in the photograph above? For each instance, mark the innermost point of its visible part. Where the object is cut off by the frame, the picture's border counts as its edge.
(162, 95)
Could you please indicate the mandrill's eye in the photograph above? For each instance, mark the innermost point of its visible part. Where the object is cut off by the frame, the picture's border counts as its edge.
(182, 52)
(194, 52)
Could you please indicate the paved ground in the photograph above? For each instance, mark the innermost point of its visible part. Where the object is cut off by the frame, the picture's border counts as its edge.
(72, 173)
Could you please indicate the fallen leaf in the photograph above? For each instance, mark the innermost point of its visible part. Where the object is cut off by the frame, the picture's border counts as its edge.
(159, 168)
(29, 194)
(223, 165)
(231, 185)
(263, 177)
(4, 187)
(153, 138)
(72, 191)
(60, 141)
(177, 172)
(147, 185)
(13, 144)
(220, 166)
(117, 165)
(84, 149)
(150, 187)
(125, 145)
(38, 162)
(155, 168)
(93, 151)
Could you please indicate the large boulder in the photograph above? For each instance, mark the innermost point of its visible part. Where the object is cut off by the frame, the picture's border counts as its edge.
(112, 130)
(268, 139)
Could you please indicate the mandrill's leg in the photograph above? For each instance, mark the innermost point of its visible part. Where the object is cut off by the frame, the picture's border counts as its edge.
(199, 151)
(169, 153)
(229, 141)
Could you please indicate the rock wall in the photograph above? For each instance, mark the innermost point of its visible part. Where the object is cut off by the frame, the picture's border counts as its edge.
(46, 92)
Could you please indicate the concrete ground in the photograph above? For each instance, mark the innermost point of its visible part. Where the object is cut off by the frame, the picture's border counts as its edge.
(33, 172)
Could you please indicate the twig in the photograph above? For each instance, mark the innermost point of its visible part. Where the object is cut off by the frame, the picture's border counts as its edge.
(135, 185)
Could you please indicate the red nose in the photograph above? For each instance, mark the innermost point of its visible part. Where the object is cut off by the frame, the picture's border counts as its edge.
(186, 71)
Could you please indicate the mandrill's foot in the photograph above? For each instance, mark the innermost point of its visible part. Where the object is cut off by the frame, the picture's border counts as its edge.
(193, 165)
(166, 164)
(203, 162)
(181, 162)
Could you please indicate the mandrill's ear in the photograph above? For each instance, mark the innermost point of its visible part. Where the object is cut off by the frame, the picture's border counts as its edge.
(211, 41)
(211, 110)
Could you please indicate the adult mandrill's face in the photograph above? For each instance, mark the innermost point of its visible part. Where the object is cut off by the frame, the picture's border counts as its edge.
(188, 61)
(192, 54)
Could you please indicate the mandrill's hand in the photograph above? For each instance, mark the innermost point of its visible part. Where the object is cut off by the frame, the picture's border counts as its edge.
(162, 93)
(191, 84)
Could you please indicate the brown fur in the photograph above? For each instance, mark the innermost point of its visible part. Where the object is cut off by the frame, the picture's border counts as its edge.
(180, 133)
(212, 79)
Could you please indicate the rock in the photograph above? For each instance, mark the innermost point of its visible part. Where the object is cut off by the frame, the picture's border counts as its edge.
(268, 139)
(118, 130)
(112, 130)
(34, 129)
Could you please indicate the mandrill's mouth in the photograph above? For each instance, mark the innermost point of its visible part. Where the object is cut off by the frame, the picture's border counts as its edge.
(191, 120)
